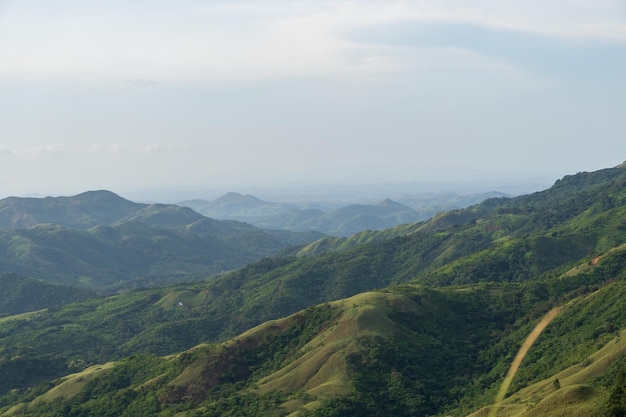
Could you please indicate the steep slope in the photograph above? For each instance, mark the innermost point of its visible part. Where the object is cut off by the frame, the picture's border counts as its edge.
(568, 207)
(49, 344)
(408, 351)
(302, 361)
(478, 244)
(518, 257)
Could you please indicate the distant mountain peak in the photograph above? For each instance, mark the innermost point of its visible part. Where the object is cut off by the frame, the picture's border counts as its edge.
(231, 195)
(233, 198)
(100, 195)
(387, 202)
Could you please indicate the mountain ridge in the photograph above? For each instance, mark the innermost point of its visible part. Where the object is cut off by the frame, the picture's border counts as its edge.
(463, 289)
(344, 221)
(100, 240)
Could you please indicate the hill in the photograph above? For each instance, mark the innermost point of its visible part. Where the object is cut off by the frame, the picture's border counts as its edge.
(102, 241)
(82, 211)
(235, 206)
(480, 278)
(342, 221)
(407, 351)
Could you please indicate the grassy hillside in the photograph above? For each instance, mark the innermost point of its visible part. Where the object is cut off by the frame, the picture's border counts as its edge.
(493, 270)
(51, 344)
(407, 351)
(303, 361)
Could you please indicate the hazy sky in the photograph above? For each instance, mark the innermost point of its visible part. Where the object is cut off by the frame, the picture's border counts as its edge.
(216, 94)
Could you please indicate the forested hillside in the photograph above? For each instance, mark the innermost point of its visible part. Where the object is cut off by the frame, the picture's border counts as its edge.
(439, 310)
(101, 241)
(21, 295)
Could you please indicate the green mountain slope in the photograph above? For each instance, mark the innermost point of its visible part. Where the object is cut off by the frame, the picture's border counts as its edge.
(408, 351)
(21, 295)
(321, 353)
(100, 240)
(130, 254)
(585, 195)
(515, 259)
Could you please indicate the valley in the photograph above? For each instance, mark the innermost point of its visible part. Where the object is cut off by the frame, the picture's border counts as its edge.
(157, 310)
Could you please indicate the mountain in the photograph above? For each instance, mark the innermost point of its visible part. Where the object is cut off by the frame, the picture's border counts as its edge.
(102, 241)
(429, 204)
(407, 351)
(343, 221)
(235, 206)
(421, 320)
(82, 211)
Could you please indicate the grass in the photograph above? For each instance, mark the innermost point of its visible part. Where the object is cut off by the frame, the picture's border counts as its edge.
(574, 398)
(23, 316)
(70, 386)
(322, 371)
(182, 298)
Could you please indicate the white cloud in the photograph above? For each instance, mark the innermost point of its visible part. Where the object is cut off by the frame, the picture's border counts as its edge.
(252, 40)
(32, 150)
(275, 89)
(154, 148)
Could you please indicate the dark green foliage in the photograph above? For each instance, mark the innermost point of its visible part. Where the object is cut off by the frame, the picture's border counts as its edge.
(102, 241)
(115, 393)
(130, 255)
(20, 295)
(432, 361)
(138, 385)
(617, 399)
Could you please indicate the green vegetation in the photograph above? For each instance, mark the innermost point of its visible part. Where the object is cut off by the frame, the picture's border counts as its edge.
(20, 295)
(100, 241)
(437, 312)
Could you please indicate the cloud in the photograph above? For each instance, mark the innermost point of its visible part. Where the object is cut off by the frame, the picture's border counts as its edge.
(32, 150)
(155, 148)
(536, 52)
(249, 41)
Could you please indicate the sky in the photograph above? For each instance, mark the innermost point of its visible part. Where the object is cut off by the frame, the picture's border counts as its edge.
(198, 95)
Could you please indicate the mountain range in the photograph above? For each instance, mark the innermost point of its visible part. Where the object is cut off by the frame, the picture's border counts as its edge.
(102, 241)
(344, 221)
(422, 319)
